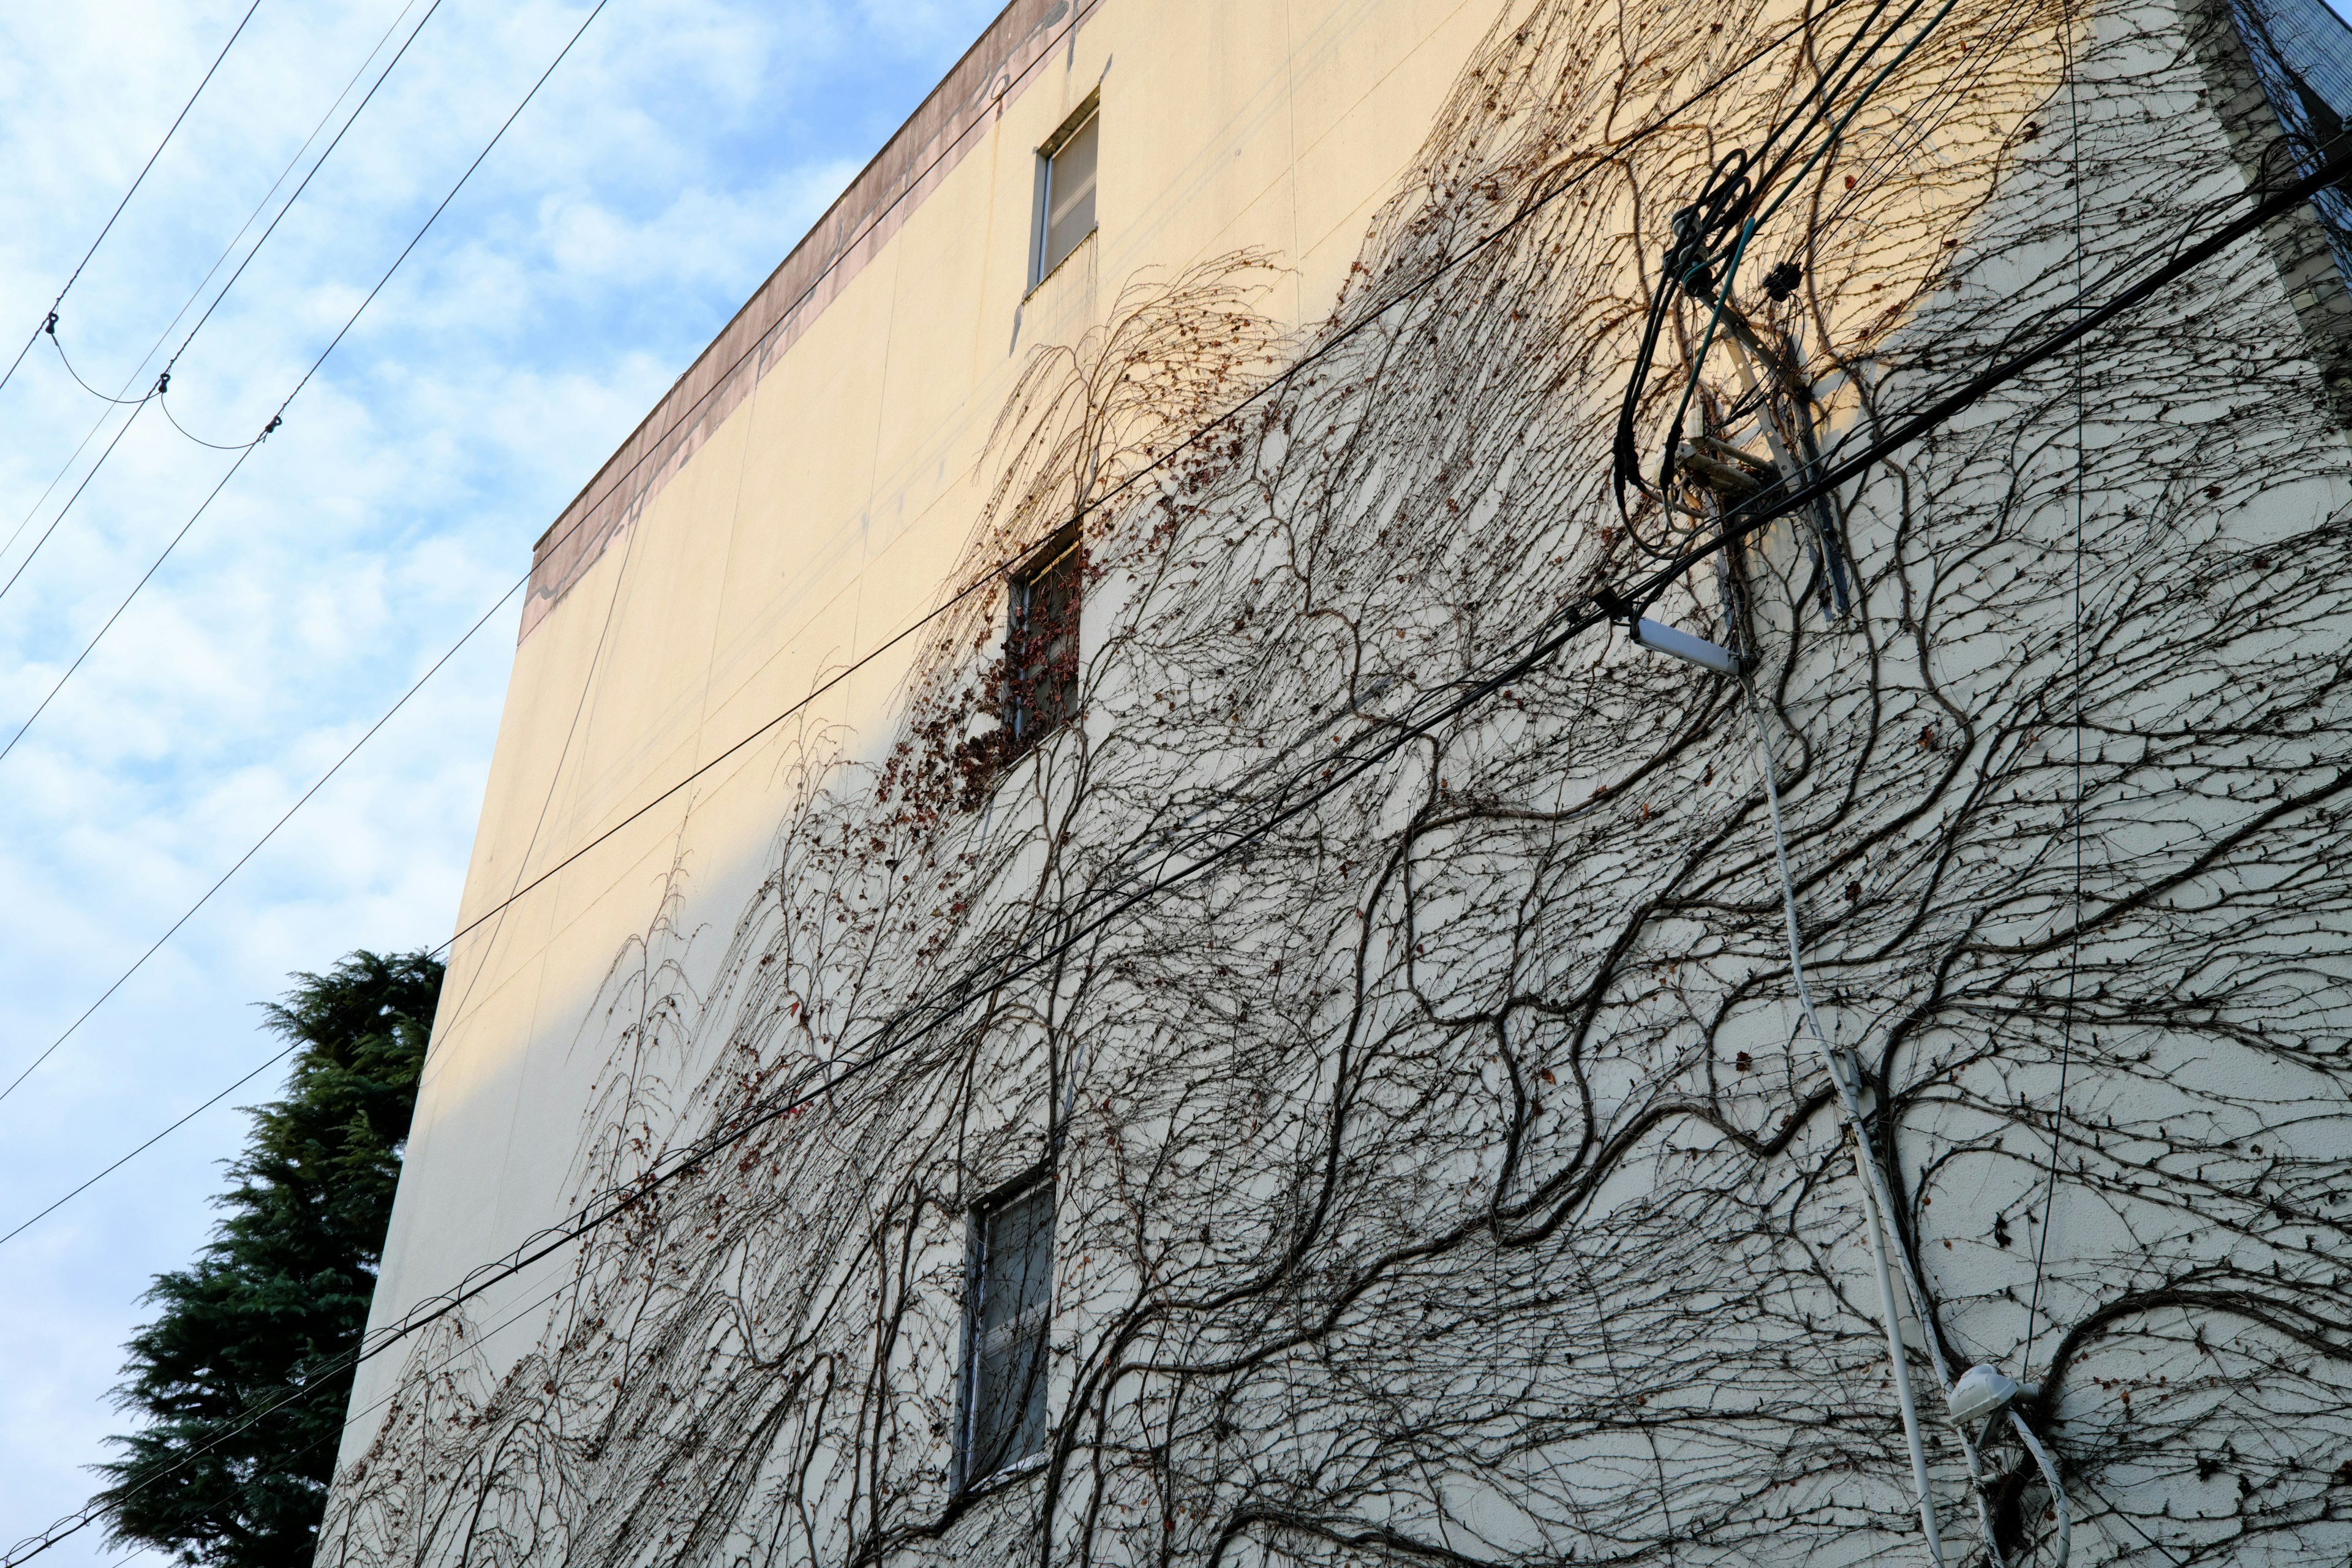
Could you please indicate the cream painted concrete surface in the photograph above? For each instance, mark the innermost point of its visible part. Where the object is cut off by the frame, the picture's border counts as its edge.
(818, 522)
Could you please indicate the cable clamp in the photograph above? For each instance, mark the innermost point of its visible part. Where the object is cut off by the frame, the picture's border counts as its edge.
(1686, 262)
(50, 326)
(162, 384)
(275, 421)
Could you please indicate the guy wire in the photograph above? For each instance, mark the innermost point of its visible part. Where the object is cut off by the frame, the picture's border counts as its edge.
(2075, 947)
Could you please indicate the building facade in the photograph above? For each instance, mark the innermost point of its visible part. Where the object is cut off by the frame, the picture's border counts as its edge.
(1428, 781)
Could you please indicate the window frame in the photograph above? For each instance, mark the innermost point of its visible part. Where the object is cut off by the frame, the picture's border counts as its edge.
(1087, 114)
(1035, 1183)
(1026, 721)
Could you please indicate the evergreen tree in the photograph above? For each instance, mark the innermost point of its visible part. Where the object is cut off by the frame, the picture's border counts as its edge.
(280, 1294)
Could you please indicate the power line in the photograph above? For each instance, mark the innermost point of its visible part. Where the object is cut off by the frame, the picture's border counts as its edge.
(1330, 774)
(27, 1224)
(278, 417)
(317, 1381)
(222, 881)
(164, 382)
(50, 315)
(386, 75)
(205, 281)
(77, 490)
(108, 625)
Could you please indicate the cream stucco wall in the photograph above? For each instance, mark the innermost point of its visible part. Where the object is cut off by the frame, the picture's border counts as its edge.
(817, 522)
(802, 526)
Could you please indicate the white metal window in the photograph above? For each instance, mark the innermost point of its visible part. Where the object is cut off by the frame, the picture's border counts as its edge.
(1066, 191)
(1010, 1301)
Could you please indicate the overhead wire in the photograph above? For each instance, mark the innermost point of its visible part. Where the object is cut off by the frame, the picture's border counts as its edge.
(204, 282)
(1332, 774)
(277, 418)
(50, 315)
(50, 331)
(27, 1224)
(255, 848)
(85, 483)
(318, 1379)
(1443, 268)
(373, 88)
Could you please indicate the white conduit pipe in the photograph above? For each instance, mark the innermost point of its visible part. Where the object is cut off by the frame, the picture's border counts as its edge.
(1878, 1201)
(1863, 1160)
(2050, 1477)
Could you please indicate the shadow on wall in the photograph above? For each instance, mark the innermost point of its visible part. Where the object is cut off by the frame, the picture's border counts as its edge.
(1435, 1173)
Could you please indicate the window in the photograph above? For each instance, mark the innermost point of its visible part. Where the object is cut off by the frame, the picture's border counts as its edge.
(1041, 643)
(1009, 1300)
(1066, 191)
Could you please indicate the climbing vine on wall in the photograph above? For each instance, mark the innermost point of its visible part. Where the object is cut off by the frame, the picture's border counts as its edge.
(1440, 1174)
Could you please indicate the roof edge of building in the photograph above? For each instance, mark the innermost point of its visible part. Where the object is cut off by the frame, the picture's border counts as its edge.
(872, 208)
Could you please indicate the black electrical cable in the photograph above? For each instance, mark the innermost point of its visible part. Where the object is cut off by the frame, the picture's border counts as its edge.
(27, 1224)
(1726, 205)
(78, 491)
(278, 417)
(1765, 509)
(381, 77)
(50, 315)
(144, 578)
(256, 848)
(165, 404)
(317, 1380)
(1334, 773)
(50, 331)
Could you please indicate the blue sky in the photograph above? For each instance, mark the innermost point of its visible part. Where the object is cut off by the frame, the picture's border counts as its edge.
(666, 167)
